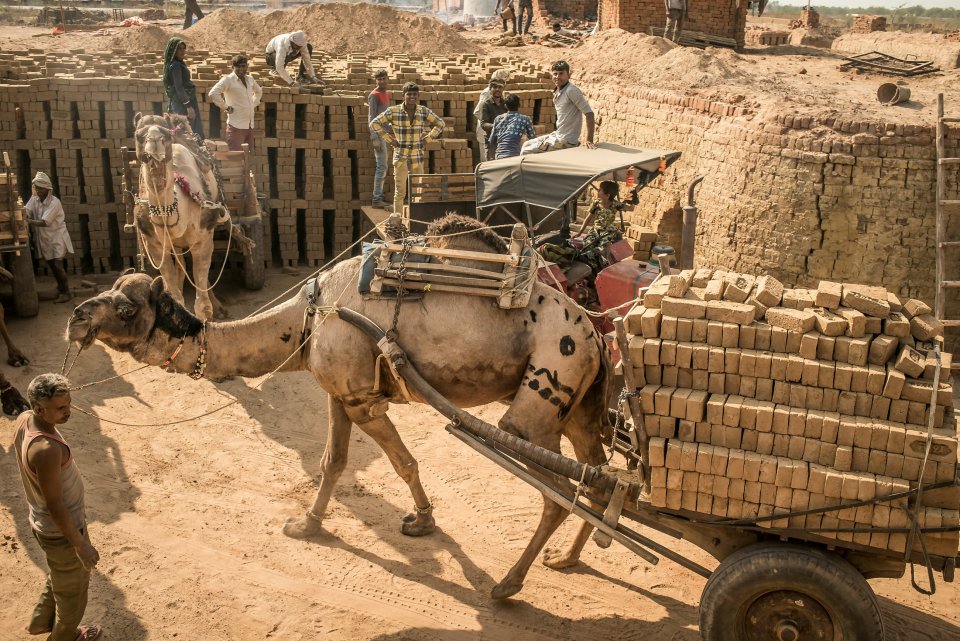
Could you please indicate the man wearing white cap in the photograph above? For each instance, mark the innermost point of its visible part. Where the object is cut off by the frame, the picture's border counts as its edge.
(286, 48)
(45, 214)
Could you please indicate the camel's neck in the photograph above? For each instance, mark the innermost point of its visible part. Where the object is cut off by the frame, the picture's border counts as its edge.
(249, 347)
(157, 183)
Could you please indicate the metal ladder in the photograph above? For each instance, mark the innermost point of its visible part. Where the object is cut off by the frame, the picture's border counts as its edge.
(945, 207)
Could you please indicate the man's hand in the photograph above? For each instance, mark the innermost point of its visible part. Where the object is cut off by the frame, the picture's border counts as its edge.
(229, 110)
(589, 145)
(87, 554)
(191, 113)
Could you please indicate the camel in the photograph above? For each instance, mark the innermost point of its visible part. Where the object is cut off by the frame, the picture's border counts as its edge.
(544, 360)
(177, 209)
(15, 358)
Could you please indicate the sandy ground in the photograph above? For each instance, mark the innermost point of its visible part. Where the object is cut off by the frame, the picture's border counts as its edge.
(187, 521)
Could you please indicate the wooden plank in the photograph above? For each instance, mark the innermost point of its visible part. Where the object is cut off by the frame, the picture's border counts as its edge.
(434, 287)
(459, 269)
(417, 277)
(456, 253)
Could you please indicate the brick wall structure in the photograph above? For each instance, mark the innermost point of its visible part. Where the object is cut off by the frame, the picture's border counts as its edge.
(724, 18)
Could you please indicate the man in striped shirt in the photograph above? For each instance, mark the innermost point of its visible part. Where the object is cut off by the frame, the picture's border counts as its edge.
(407, 127)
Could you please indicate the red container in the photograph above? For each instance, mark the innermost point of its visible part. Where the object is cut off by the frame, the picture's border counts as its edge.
(620, 282)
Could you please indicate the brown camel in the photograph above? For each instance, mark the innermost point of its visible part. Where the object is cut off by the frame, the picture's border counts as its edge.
(176, 212)
(544, 360)
(15, 358)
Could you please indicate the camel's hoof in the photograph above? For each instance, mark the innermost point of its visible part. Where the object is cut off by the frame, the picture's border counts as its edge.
(301, 528)
(17, 360)
(418, 525)
(558, 560)
(506, 589)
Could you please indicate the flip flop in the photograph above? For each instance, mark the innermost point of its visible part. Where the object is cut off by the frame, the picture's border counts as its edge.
(88, 632)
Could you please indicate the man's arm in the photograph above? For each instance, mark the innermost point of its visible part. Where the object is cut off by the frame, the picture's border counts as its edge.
(436, 122)
(45, 457)
(588, 143)
(54, 214)
(216, 93)
(528, 128)
(371, 107)
(307, 63)
(280, 65)
(486, 122)
(257, 92)
(379, 126)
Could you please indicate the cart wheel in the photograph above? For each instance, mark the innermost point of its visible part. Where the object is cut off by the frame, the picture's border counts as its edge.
(254, 271)
(25, 300)
(788, 592)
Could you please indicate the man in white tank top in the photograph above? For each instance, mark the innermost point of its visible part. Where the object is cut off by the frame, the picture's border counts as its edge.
(54, 492)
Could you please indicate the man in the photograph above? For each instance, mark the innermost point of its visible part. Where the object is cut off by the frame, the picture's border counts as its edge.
(377, 102)
(572, 108)
(191, 9)
(54, 492)
(238, 94)
(507, 15)
(501, 75)
(524, 5)
(286, 48)
(45, 214)
(676, 14)
(405, 128)
(492, 107)
(509, 129)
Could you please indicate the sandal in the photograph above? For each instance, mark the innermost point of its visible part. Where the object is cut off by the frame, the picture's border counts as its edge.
(88, 632)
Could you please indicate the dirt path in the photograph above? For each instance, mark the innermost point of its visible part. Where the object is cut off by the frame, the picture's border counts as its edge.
(187, 520)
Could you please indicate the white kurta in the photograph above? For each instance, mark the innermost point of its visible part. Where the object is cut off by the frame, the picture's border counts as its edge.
(54, 241)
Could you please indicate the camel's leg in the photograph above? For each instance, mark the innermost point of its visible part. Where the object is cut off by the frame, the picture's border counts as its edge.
(550, 519)
(202, 257)
(15, 358)
(382, 430)
(169, 270)
(332, 465)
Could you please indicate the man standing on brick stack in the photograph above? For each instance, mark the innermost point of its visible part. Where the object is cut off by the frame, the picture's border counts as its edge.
(676, 14)
(572, 107)
(377, 102)
(286, 48)
(407, 128)
(238, 94)
(45, 214)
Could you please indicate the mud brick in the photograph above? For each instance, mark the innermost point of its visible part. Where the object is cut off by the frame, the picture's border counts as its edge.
(731, 411)
(721, 486)
(831, 426)
(825, 347)
(778, 367)
(876, 378)
(880, 408)
(795, 446)
(728, 312)
(652, 374)
(668, 352)
(873, 325)
(930, 366)
(856, 322)
(748, 336)
(921, 391)
(831, 398)
(862, 433)
(858, 379)
(882, 349)
(699, 333)
(748, 363)
(646, 398)
(704, 460)
(808, 345)
(849, 488)
(796, 421)
(768, 291)
(911, 362)
(847, 403)
(678, 403)
(658, 452)
(685, 377)
(844, 458)
(841, 348)
(700, 358)
(794, 369)
(731, 360)
(674, 500)
(700, 380)
(669, 376)
(864, 404)
(880, 436)
(878, 462)
(780, 423)
(684, 329)
(914, 307)
(811, 450)
(687, 431)
(798, 479)
(833, 483)
(651, 351)
(869, 305)
(781, 393)
(761, 332)
(925, 327)
(829, 324)
(896, 324)
(688, 460)
(717, 384)
(783, 500)
(684, 355)
(730, 335)
(763, 364)
(649, 323)
(714, 333)
(748, 386)
(894, 384)
(661, 400)
(842, 375)
(716, 360)
(778, 339)
(688, 501)
(751, 492)
(943, 448)
(828, 294)
(764, 389)
(790, 298)
(898, 411)
(764, 420)
(633, 321)
(668, 427)
(676, 286)
(784, 472)
(714, 290)
(738, 288)
(826, 372)
(790, 319)
(858, 351)
(731, 383)
(651, 425)
(701, 277)
(683, 307)
(654, 295)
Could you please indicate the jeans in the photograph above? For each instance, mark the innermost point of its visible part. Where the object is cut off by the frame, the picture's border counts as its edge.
(196, 124)
(380, 151)
(64, 598)
(674, 24)
(191, 9)
(402, 168)
(528, 7)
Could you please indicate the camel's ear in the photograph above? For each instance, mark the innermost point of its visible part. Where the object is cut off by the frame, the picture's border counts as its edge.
(137, 118)
(128, 271)
(156, 288)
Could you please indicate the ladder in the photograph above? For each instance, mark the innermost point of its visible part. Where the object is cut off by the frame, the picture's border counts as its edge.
(945, 207)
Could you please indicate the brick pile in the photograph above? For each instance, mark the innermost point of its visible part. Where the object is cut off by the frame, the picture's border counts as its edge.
(641, 240)
(766, 37)
(68, 114)
(723, 19)
(809, 18)
(868, 24)
(762, 400)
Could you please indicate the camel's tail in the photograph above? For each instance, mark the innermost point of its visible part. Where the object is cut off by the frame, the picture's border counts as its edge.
(595, 404)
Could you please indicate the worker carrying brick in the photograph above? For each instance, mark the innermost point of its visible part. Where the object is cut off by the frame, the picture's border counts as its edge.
(676, 14)
(238, 94)
(407, 127)
(286, 48)
(45, 214)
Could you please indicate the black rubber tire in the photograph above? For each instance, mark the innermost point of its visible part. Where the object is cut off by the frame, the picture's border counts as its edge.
(254, 268)
(25, 301)
(749, 579)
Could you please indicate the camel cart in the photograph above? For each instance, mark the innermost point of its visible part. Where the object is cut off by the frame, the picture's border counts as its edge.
(15, 245)
(769, 583)
(239, 189)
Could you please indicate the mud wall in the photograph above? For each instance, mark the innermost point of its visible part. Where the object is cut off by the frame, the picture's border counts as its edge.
(724, 18)
(800, 198)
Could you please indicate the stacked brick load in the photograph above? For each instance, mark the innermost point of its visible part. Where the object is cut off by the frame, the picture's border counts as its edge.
(68, 114)
(760, 400)
(868, 24)
(809, 18)
(720, 19)
(641, 239)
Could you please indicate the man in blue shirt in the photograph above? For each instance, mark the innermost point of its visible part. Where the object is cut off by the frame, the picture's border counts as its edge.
(509, 129)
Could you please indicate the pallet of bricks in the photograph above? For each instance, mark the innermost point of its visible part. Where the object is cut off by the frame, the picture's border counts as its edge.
(762, 401)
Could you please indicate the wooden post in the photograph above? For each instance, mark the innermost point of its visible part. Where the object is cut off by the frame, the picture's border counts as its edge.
(638, 436)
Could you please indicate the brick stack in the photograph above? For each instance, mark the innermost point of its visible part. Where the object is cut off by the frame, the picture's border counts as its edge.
(868, 24)
(761, 400)
(641, 239)
(809, 18)
(68, 114)
(721, 19)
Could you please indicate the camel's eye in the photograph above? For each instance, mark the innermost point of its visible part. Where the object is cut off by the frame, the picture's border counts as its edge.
(126, 311)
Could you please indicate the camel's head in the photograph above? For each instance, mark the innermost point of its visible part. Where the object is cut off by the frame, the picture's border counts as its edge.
(129, 314)
(154, 144)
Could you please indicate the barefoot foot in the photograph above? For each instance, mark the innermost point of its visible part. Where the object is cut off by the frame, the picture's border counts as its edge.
(558, 559)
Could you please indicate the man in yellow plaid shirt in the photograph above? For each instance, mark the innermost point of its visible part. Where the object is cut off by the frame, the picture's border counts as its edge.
(407, 128)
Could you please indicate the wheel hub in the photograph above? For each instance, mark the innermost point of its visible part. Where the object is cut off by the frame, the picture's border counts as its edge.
(786, 615)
